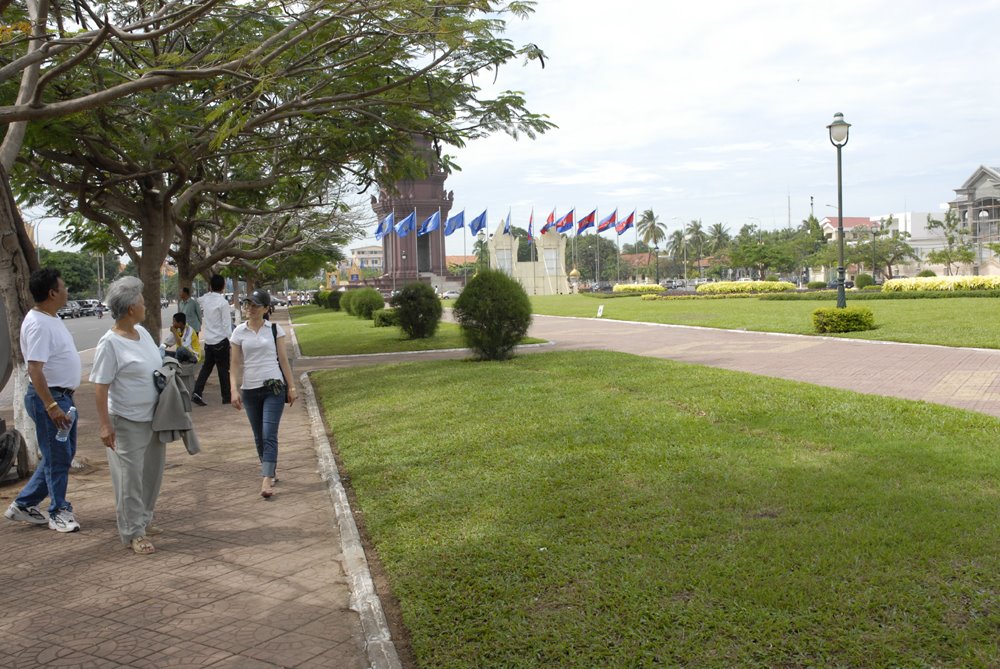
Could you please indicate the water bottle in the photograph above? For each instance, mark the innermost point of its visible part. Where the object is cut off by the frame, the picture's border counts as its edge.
(63, 433)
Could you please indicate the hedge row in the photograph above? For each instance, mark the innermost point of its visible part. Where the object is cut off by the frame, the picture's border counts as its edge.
(943, 283)
(738, 287)
(637, 288)
(881, 295)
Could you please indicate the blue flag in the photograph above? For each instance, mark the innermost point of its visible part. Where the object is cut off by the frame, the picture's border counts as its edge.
(454, 223)
(506, 224)
(405, 226)
(385, 226)
(478, 223)
(430, 224)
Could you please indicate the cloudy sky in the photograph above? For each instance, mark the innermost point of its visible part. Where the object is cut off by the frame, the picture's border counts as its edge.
(718, 111)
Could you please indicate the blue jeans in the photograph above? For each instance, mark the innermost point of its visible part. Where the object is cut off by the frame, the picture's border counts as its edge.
(264, 410)
(52, 475)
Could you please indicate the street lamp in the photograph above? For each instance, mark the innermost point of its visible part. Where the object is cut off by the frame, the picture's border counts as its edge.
(983, 215)
(656, 252)
(839, 131)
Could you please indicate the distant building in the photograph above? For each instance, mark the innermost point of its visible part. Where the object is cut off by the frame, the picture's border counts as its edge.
(368, 257)
(977, 202)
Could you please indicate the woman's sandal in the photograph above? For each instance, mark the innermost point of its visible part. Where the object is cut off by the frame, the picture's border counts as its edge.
(266, 492)
(143, 546)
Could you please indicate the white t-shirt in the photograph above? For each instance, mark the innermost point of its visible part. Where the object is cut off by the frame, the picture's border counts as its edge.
(128, 366)
(45, 339)
(216, 320)
(260, 357)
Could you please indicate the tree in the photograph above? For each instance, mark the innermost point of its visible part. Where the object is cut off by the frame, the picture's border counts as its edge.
(77, 270)
(650, 230)
(718, 238)
(239, 168)
(481, 249)
(957, 249)
(696, 234)
(595, 254)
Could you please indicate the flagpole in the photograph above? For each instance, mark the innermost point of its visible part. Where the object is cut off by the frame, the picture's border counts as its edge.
(635, 228)
(597, 252)
(618, 254)
(416, 246)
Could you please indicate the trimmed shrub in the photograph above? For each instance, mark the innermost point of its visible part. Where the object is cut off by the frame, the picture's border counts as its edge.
(333, 300)
(346, 301)
(319, 298)
(385, 318)
(636, 288)
(848, 319)
(880, 294)
(418, 310)
(772, 277)
(933, 283)
(720, 287)
(816, 285)
(863, 281)
(494, 313)
(926, 272)
(366, 302)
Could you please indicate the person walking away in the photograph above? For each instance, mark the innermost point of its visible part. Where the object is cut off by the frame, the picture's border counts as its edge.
(54, 373)
(126, 396)
(216, 327)
(259, 356)
(190, 308)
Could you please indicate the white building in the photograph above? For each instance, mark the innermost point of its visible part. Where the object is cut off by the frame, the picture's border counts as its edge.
(368, 257)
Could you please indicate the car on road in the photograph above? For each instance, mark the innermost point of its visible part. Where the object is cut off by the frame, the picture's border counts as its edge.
(450, 295)
(88, 307)
(71, 310)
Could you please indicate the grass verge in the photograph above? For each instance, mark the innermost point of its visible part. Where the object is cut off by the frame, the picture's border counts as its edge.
(577, 510)
(953, 322)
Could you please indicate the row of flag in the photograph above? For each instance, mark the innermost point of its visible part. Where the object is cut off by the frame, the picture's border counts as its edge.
(562, 225)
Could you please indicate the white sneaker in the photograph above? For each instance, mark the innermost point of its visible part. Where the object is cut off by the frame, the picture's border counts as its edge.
(63, 521)
(29, 514)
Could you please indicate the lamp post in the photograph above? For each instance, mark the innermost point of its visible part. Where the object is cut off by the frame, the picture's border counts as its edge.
(983, 215)
(656, 259)
(839, 131)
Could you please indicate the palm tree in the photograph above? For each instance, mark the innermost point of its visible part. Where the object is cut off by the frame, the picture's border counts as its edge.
(650, 229)
(718, 238)
(696, 235)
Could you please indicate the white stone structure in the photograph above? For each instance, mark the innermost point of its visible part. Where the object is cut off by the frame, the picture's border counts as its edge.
(545, 276)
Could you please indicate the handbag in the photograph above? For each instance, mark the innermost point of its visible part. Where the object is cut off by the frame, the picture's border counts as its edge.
(274, 333)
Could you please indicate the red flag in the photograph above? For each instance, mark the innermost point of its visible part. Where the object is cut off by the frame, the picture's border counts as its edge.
(549, 222)
(625, 223)
(608, 221)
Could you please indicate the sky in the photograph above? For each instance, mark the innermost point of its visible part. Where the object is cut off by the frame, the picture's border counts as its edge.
(718, 111)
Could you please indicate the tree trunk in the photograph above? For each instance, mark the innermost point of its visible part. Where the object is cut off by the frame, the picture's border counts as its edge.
(22, 260)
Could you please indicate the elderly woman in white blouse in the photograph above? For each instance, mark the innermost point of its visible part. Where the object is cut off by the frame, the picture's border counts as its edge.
(122, 376)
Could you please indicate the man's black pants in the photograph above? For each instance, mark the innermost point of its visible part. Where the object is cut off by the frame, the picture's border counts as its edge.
(216, 355)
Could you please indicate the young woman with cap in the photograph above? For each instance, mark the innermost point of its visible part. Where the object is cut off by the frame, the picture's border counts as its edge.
(258, 355)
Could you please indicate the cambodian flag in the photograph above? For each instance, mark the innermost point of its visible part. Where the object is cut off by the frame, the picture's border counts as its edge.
(549, 222)
(565, 224)
(586, 222)
(531, 222)
(608, 221)
(625, 223)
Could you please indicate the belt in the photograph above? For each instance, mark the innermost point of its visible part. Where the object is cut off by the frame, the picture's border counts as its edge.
(68, 392)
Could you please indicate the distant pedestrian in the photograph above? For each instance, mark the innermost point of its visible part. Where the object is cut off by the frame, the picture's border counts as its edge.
(259, 355)
(216, 327)
(190, 308)
(54, 373)
(126, 398)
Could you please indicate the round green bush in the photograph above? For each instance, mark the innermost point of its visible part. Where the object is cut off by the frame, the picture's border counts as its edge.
(320, 298)
(927, 272)
(418, 310)
(816, 285)
(863, 281)
(346, 301)
(494, 313)
(366, 302)
(333, 300)
(385, 318)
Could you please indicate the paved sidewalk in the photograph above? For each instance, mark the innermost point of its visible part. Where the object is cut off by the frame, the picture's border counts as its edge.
(236, 581)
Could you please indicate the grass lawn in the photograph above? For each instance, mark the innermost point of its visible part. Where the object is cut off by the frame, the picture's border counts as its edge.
(581, 510)
(960, 321)
(327, 332)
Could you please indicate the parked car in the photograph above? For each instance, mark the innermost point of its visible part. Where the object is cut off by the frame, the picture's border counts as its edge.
(164, 303)
(88, 307)
(71, 310)
(450, 295)
(847, 284)
(601, 287)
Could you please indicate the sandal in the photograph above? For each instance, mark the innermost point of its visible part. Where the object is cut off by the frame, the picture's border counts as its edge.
(153, 530)
(142, 546)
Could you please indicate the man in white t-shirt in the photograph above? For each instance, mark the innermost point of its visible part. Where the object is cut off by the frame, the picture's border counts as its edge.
(216, 327)
(54, 370)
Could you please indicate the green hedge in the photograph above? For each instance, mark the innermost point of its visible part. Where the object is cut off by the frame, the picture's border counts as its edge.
(720, 287)
(881, 295)
(816, 285)
(848, 319)
(333, 300)
(385, 318)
